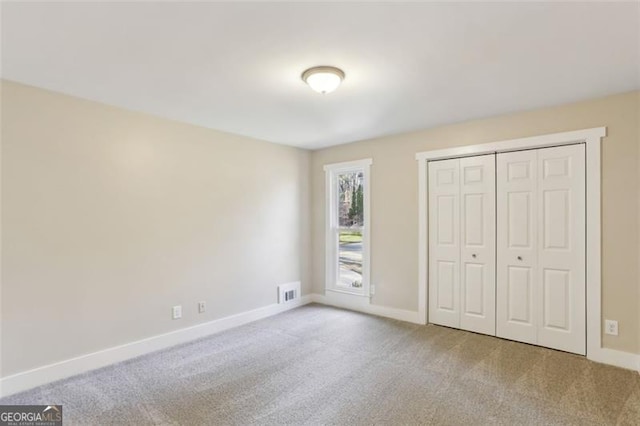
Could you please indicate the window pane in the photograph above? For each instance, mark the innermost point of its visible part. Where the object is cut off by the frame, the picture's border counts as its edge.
(350, 264)
(350, 199)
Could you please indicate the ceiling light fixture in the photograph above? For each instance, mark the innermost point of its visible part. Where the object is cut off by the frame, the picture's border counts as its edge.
(323, 79)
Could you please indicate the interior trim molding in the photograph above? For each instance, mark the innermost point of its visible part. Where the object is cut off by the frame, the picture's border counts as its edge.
(358, 304)
(617, 358)
(331, 225)
(60, 370)
(592, 138)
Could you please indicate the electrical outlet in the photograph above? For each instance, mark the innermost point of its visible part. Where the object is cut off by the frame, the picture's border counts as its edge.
(611, 327)
(176, 312)
(372, 289)
(202, 306)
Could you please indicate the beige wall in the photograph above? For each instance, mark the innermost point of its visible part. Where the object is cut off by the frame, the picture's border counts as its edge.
(394, 200)
(110, 217)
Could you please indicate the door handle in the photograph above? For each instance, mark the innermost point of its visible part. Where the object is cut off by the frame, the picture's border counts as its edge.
(519, 257)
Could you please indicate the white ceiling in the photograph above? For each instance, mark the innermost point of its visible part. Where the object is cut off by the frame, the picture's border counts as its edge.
(236, 66)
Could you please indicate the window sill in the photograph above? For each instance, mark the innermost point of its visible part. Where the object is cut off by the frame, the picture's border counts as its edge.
(350, 293)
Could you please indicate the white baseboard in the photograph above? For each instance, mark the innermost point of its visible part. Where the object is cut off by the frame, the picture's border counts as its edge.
(614, 357)
(356, 304)
(49, 373)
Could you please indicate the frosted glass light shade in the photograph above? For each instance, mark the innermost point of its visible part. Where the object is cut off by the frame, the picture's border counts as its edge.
(323, 79)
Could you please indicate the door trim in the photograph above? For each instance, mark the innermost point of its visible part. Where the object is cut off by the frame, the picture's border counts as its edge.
(592, 140)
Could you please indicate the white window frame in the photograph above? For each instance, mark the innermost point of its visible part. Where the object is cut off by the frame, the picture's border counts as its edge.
(332, 229)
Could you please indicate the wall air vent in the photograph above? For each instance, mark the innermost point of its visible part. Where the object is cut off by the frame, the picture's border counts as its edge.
(289, 292)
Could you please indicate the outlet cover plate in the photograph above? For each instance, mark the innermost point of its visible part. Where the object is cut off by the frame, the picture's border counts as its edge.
(611, 327)
(176, 312)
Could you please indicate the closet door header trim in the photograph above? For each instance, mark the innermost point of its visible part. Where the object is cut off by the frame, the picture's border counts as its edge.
(544, 141)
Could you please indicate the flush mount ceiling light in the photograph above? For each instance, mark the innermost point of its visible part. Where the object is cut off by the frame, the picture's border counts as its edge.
(323, 79)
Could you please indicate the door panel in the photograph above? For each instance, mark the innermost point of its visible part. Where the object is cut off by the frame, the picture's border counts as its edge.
(519, 226)
(446, 228)
(477, 251)
(474, 285)
(562, 256)
(555, 219)
(556, 299)
(520, 296)
(445, 296)
(444, 242)
(473, 219)
(516, 237)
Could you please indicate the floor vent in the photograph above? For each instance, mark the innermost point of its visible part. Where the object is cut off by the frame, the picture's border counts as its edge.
(289, 292)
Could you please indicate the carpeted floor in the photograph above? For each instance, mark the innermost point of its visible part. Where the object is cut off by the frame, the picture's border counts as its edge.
(319, 365)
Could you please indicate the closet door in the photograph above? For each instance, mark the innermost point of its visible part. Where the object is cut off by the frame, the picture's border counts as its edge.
(477, 251)
(517, 249)
(561, 253)
(541, 247)
(444, 242)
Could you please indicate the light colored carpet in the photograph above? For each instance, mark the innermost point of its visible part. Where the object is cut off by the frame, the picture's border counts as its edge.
(320, 365)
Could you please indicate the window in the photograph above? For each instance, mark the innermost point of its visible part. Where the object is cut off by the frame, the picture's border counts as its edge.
(347, 233)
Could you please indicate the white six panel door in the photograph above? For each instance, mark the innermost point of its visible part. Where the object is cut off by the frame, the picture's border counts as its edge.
(444, 242)
(478, 246)
(541, 247)
(561, 252)
(462, 243)
(516, 294)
